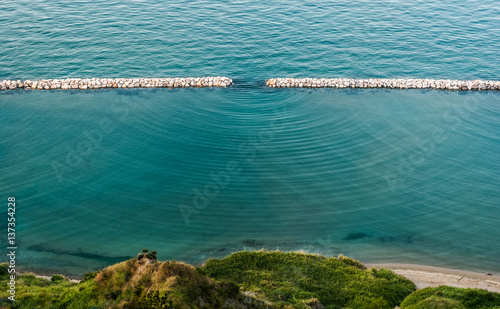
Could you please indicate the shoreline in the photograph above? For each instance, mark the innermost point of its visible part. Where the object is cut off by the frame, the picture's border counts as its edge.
(432, 276)
(49, 277)
(422, 275)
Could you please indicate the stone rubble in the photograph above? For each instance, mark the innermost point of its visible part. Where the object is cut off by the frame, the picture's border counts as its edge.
(218, 81)
(98, 83)
(444, 84)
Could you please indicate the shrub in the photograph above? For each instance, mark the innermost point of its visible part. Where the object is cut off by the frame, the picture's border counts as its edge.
(89, 275)
(156, 299)
(56, 278)
(447, 297)
(437, 302)
(4, 273)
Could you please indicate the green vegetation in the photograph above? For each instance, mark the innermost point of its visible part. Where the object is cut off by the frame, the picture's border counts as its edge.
(150, 256)
(130, 284)
(33, 292)
(305, 281)
(56, 278)
(242, 280)
(448, 297)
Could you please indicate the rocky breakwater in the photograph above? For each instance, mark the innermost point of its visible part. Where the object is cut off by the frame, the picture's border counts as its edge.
(444, 84)
(98, 83)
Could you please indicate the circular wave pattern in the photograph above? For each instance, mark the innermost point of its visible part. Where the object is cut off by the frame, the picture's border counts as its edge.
(380, 175)
(401, 176)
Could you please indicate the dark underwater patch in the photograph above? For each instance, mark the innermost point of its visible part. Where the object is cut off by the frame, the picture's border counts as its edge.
(253, 243)
(354, 236)
(85, 255)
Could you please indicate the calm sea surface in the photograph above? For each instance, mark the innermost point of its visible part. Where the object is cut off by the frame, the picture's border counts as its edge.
(410, 176)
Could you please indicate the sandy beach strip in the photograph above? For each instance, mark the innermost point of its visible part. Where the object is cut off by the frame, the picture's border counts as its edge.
(430, 276)
(49, 278)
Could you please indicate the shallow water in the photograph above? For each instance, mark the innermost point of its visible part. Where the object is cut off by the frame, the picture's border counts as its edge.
(396, 176)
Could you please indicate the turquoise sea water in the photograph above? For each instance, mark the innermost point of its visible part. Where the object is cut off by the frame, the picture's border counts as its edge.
(383, 176)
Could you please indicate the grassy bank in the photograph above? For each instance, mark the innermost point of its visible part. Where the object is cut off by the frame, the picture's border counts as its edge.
(448, 297)
(304, 281)
(242, 280)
